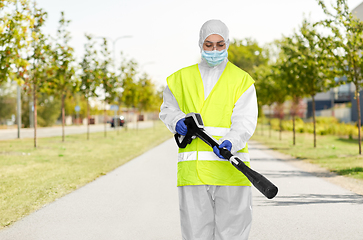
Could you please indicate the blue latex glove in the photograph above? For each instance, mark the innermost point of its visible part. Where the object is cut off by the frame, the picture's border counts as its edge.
(181, 128)
(227, 144)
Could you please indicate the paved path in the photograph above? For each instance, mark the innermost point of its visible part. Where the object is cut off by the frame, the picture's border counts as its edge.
(307, 207)
(138, 201)
(57, 131)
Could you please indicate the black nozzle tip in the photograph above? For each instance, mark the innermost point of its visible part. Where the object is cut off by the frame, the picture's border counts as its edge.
(271, 192)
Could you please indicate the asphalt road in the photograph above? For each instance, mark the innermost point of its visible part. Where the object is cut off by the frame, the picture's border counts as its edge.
(57, 131)
(139, 201)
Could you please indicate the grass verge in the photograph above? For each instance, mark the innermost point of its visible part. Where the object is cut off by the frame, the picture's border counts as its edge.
(336, 154)
(31, 178)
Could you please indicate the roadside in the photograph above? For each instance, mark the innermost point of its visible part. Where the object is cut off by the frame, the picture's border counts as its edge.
(351, 184)
(139, 201)
(336, 155)
(31, 177)
(57, 130)
(307, 206)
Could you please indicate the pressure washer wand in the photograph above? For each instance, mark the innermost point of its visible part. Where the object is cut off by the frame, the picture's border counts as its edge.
(195, 126)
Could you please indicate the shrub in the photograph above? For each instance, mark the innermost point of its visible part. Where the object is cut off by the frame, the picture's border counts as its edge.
(324, 126)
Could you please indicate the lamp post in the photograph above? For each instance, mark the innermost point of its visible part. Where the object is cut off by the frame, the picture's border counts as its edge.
(114, 49)
(147, 63)
(114, 69)
(18, 110)
(114, 65)
(139, 113)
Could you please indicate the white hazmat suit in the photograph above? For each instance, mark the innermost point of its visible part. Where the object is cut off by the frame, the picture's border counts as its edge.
(216, 212)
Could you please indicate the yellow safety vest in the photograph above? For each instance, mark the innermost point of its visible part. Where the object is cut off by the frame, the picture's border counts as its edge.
(197, 164)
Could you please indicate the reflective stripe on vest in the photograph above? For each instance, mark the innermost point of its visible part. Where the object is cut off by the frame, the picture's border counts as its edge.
(208, 156)
(216, 131)
(197, 164)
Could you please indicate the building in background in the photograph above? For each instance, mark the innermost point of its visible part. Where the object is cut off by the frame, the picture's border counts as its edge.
(357, 11)
(339, 102)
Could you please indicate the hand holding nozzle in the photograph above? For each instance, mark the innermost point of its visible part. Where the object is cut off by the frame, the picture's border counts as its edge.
(225, 144)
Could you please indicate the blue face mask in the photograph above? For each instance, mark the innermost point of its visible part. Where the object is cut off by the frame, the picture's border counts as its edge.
(215, 57)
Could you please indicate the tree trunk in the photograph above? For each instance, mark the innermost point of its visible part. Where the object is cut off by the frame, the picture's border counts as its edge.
(294, 109)
(104, 120)
(127, 120)
(116, 124)
(35, 114)
(63, 116)
(359, 120)
(87, 119)
(293, 129)
(18, 110)
(269, 122)
(314, 121)
(137, 120)
(280, 128)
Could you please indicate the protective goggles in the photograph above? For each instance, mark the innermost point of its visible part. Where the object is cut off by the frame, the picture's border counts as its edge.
(210, 46)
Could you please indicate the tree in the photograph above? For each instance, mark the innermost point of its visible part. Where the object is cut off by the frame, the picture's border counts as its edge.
(129, 95)
(311, 63)
(41, 64)
(158, 100)
(345, 44)
(280, 94)
(47, 109)
(15, 21)
(265, 88)
(63, 81)
(146, 89)
(289, 65)
(89, 77)
(247, 54)
(14, 39)
(109, 81)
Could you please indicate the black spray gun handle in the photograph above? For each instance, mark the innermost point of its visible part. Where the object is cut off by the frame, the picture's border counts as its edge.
(183, 141)
(194, 123)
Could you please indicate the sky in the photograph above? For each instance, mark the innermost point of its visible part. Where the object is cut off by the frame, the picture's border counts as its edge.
(165, 33)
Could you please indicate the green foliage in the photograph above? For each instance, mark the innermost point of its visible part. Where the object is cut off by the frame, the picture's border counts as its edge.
(267, 89)
(252, 58)
(158, 99)
(90, 78)
(41, 58)
(247, 54)
(15, 21)
(109, 81)
(344, 46)
(315, 71)
(146, 94)
(7, 102)
(345, 41)
(130, 92)
(324, 126)
(303, 66)
(138, 91)
(48, 110)
(63, 80)
(46, 65)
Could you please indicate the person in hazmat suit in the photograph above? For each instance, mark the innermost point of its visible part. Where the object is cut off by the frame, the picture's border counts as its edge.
(214, 197)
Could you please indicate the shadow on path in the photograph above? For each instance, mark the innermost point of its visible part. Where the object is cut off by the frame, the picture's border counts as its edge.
(297, 174)
(307, 199)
